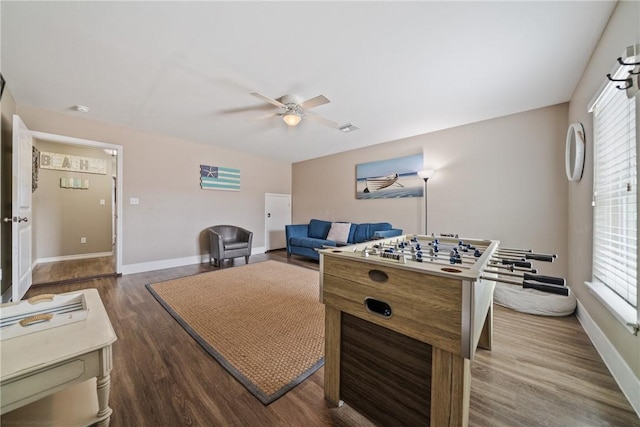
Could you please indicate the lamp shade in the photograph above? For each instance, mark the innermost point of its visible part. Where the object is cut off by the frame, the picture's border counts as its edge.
(426, 174)
(292, 118)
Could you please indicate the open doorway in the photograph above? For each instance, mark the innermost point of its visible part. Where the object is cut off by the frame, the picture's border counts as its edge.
(77, 217)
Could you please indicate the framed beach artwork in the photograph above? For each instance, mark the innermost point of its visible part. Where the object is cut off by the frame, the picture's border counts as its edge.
(390, 179)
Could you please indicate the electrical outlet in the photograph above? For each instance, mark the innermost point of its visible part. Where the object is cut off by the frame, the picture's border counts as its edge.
(83, 240)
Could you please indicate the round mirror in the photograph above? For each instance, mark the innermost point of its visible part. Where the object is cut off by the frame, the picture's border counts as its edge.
(574, 152)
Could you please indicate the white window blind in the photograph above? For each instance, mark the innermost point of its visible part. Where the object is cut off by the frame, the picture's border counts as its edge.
(615, 214)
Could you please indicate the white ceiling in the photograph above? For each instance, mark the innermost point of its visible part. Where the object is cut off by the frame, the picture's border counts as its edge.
(395, 69)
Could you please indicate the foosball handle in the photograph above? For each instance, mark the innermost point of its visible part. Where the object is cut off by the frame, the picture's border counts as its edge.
(558, 281)
(521, 264)
(551, 289)
(541, 257)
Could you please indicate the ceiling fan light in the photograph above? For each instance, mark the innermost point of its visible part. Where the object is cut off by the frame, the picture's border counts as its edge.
(292, 119)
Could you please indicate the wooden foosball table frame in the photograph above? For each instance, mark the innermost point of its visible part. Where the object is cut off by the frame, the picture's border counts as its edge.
(400, 335)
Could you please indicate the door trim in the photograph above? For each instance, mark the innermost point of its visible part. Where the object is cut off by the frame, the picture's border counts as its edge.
(119, 161)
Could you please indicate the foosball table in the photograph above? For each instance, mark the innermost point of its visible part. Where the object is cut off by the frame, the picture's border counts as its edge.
(403, 319)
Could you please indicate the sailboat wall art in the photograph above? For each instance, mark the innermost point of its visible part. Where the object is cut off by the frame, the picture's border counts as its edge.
(390, 179)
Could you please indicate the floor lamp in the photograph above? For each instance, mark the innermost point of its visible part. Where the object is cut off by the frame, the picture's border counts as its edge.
(426, 174)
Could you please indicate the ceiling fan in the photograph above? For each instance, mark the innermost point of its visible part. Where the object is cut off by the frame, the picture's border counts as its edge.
(293, 109)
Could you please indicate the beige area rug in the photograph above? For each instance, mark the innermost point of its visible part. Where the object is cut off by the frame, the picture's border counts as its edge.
(263, 322)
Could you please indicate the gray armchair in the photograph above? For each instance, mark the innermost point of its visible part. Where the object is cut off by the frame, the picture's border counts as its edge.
(228, 242)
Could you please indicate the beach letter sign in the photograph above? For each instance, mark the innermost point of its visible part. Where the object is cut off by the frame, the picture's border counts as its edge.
(66, 162)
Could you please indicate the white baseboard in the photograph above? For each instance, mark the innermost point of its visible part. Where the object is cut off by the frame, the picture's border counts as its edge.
(72, 257)
(620, 370)
(174, 262)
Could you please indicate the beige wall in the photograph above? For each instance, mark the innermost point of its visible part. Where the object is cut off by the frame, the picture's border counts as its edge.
(163, 172)
(623, 30)
(61, 216)
(498, 179)
(7, 109)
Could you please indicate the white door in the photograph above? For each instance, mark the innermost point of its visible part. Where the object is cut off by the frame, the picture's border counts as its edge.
(21, 209)
(278, 214)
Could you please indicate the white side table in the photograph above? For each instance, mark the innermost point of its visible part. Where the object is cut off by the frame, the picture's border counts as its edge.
(61, 375)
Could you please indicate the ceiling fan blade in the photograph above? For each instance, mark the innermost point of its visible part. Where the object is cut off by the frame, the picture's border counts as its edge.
(269, 100)
(264, 116)
(314, 102)
(254, 108)
(321, 120)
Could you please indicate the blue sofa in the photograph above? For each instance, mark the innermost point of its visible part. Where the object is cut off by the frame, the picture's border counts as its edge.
(304, 239)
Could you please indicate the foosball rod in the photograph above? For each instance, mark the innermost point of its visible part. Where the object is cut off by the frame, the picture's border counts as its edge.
(531, 254)
(517, 262)
(527, 254)
(518, 265)
(522, 253)
(425, 254)
(527, 284)
(559, 281)
(512, 264)
(447, 260)
(506, 259)
(467, 264)
(427, 259)
(522, 257)
(503, 252)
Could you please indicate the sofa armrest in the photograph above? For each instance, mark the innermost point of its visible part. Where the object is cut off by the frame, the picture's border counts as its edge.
(295, 230)
(388, 233)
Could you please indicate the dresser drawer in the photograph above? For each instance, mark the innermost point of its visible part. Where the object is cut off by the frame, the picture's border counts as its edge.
(35, 385)
(424, 307)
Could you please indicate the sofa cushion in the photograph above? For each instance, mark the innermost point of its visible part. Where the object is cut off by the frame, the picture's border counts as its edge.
(319, 229)
(339, 232)
(362, 233)
(307, 242)
(352, 232)
(380, 226)
(387, 233)
(235, 245)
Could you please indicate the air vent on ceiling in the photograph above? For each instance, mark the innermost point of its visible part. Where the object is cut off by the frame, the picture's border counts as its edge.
(80, 108)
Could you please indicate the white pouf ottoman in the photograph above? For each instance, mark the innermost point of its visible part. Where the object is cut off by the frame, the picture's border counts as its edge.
(533, 302)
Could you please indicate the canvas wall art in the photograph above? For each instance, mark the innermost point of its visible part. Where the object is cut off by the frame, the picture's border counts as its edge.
(75, 183)
(392, 178)
(219, 178)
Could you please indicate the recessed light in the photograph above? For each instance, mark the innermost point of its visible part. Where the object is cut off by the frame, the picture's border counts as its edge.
(349, 127)
(81, 108)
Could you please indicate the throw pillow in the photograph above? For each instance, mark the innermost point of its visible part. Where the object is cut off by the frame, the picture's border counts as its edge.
(339, 232)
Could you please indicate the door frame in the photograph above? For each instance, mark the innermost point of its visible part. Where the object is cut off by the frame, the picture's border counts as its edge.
(266, 228)
(119, 161)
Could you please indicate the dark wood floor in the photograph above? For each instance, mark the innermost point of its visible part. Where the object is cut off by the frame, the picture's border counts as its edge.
(73, 270)
(541, 372)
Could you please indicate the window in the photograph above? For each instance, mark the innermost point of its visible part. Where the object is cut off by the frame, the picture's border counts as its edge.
(615, 214)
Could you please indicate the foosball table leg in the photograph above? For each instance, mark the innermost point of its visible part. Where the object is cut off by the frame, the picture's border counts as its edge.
(450, 389)
(332, 323)
(486, 335)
